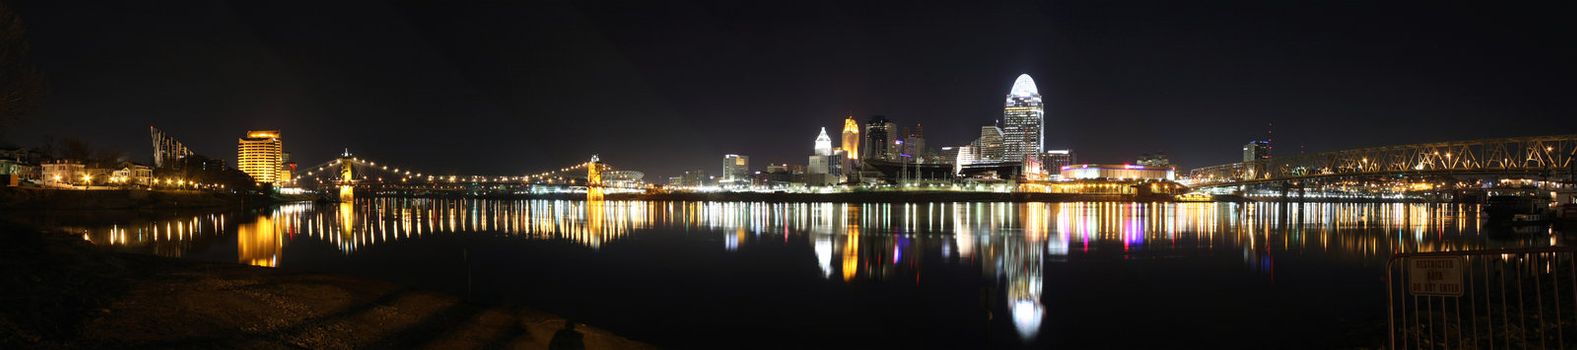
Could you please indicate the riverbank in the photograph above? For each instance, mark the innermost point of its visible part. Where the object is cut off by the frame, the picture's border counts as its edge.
(60, 292)
(130, 199)
(57, 199)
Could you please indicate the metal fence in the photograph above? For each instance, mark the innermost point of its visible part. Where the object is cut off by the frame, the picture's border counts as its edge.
(1487, 299)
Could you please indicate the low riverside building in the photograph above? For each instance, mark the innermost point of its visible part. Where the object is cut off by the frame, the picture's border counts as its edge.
(63, 173)
(132, 174)
(1118, 172)
(97, 176)
(1110, 179)
(12, 173)
(1105, 187)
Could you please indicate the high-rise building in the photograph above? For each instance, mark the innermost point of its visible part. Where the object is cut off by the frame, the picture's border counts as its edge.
(880, 135)
(1256, 150)
(167, 151)
(966, 155)
(892, 140)
(695, 178)
(823, 143)
(819, 168)
(1157, 160)
(816, 165)
(287, 171)
(946, 155)
(837, 166)
(261, 155)
(990, 146)
(736, 169)
(1054, 160)
(1023, 121)
(783, 174)
(851, 137)
(827, 170)
(914, 142)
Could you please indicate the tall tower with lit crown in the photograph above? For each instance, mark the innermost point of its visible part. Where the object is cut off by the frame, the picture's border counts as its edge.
(1023, 121)
(823, 144)
(851, 138)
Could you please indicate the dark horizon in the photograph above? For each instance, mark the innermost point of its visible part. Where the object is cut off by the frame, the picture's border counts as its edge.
(512, 88)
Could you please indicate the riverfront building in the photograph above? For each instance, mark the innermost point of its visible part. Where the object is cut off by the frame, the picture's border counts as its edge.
(1117, 172)
(261, 155)
(1023, 121)
(736, 170)
(64, 173)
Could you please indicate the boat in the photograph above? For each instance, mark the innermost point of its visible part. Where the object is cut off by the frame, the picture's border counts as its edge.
(1516, 210)
(1195, 197)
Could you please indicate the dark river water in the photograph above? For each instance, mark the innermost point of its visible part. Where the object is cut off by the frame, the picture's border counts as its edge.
(831, 275)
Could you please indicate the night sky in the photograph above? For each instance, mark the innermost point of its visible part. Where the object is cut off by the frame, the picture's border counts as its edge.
(508, 87)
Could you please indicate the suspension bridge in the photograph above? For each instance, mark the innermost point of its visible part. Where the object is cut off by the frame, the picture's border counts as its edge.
(349, 172)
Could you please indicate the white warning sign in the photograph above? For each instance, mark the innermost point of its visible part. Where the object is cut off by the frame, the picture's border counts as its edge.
(1435, 276)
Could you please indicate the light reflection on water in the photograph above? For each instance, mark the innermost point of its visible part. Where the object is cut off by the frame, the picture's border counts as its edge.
(1010, 242)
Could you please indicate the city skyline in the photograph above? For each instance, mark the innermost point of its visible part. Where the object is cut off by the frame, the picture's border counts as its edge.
(1233, 71)
(864, 174)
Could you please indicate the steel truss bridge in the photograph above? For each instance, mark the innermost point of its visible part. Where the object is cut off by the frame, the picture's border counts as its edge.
(365, 174)
(1538, 157)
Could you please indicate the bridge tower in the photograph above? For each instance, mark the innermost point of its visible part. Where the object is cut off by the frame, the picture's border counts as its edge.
(347, 179)
(594, 179)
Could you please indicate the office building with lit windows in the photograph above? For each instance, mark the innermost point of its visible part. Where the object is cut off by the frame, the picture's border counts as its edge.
(880, 137)
(261, 155)
(1256, 150)
(736, 170)
(1023, 121)
(990, 147)
(1053, 160)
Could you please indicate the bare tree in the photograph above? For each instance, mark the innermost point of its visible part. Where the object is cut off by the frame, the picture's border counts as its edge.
(21, 85)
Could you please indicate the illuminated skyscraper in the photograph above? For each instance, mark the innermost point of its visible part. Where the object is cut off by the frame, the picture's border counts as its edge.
(261, 155)
(822, 162)
(166, 150)
(851, 137)
(823, 144)
(1023, 121)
